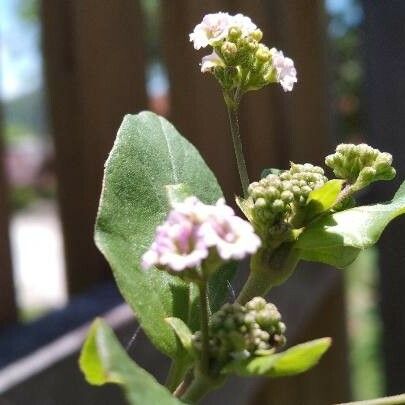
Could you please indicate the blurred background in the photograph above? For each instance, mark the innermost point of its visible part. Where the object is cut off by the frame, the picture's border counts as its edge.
(70, 70)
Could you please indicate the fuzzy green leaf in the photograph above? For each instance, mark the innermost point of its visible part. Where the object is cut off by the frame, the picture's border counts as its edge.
(323, 198)
(295, 360)
(103, 360)
(148, 155)
(336, 239)
(177, 193)
(183, 333)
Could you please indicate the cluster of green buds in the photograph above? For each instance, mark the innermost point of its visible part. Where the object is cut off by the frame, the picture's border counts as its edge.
(239, 60)
(360, 165)
(240, 331)
(275, 199)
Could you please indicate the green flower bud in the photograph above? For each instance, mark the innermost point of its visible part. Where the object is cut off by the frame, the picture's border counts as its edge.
(234, 33)
(229, 48)
(360, 165)
(229, 51)
(303, 178)
(263, 54)
(257, 35)
(240, 331)
(274, 199)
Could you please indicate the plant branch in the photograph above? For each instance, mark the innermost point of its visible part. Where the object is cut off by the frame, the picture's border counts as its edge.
(183, 386)
(232, 103)
(200, 386)
(394, 400)
(204, 308)
(175, 375)
(268, 269)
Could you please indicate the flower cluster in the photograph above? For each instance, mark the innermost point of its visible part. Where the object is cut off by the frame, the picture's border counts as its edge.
(361, 164)
(239, 60)
(194, 232)
(275, 198)
(240, 331)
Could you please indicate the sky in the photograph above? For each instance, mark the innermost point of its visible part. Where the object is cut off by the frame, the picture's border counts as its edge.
(20, 68)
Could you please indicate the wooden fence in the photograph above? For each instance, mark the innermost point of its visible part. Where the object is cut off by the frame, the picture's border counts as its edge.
(95, 73)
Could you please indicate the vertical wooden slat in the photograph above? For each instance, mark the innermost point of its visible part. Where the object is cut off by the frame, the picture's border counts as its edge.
(8, 311)
(262, 117)
(327, 383)
(385, 90)
(95, 74)
(302, 26)
(197, 108)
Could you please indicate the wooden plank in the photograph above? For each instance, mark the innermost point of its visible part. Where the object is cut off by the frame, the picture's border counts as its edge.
(8, 310)
(302, 30)
(327, 383)
(385, 88)
(197, 108)
(94, 62)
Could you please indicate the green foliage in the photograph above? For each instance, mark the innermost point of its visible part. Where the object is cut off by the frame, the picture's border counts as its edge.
(183, 333)
(103, 360)
(295, 360)
(148, 155)
(336, 239)
(324, 198)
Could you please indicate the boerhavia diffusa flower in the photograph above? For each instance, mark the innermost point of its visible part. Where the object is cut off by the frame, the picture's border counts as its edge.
(210, 61)
(213, 28)
(286, 74)
(194, 230)
(239, 60)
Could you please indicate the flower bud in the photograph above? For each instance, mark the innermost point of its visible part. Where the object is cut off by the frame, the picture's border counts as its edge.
(240, 331)
(234, 34)
(276, 197)
(360, 165)
(263, 54)
(229, 51)
(257, 35)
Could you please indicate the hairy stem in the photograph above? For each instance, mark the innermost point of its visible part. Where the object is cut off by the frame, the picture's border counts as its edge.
(183, 386)
(394, 400)
(204, 308)
(200, 386)
(232, 104)
(269, 269)
(175, 375)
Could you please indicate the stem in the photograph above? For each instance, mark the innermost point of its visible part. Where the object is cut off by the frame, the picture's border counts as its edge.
(204, 308)
(394, 400)
(198, 388)
(232, 104)
(175, 375)
(182, 388)
(269, 269)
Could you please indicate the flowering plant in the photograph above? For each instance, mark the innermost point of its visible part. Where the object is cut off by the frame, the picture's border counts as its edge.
(173, 243)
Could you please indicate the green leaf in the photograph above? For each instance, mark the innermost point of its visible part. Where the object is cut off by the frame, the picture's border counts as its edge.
(295, 360)
(324, 198)
(148, 155)
(245, 206)
(183, 333)
(177, 193)
(337, 238)
(103, 360)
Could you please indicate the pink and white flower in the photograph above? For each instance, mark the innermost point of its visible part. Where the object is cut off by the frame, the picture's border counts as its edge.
(210, 61)
(192, 229)
(245, 24)
(213, 28)
(286, 74)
